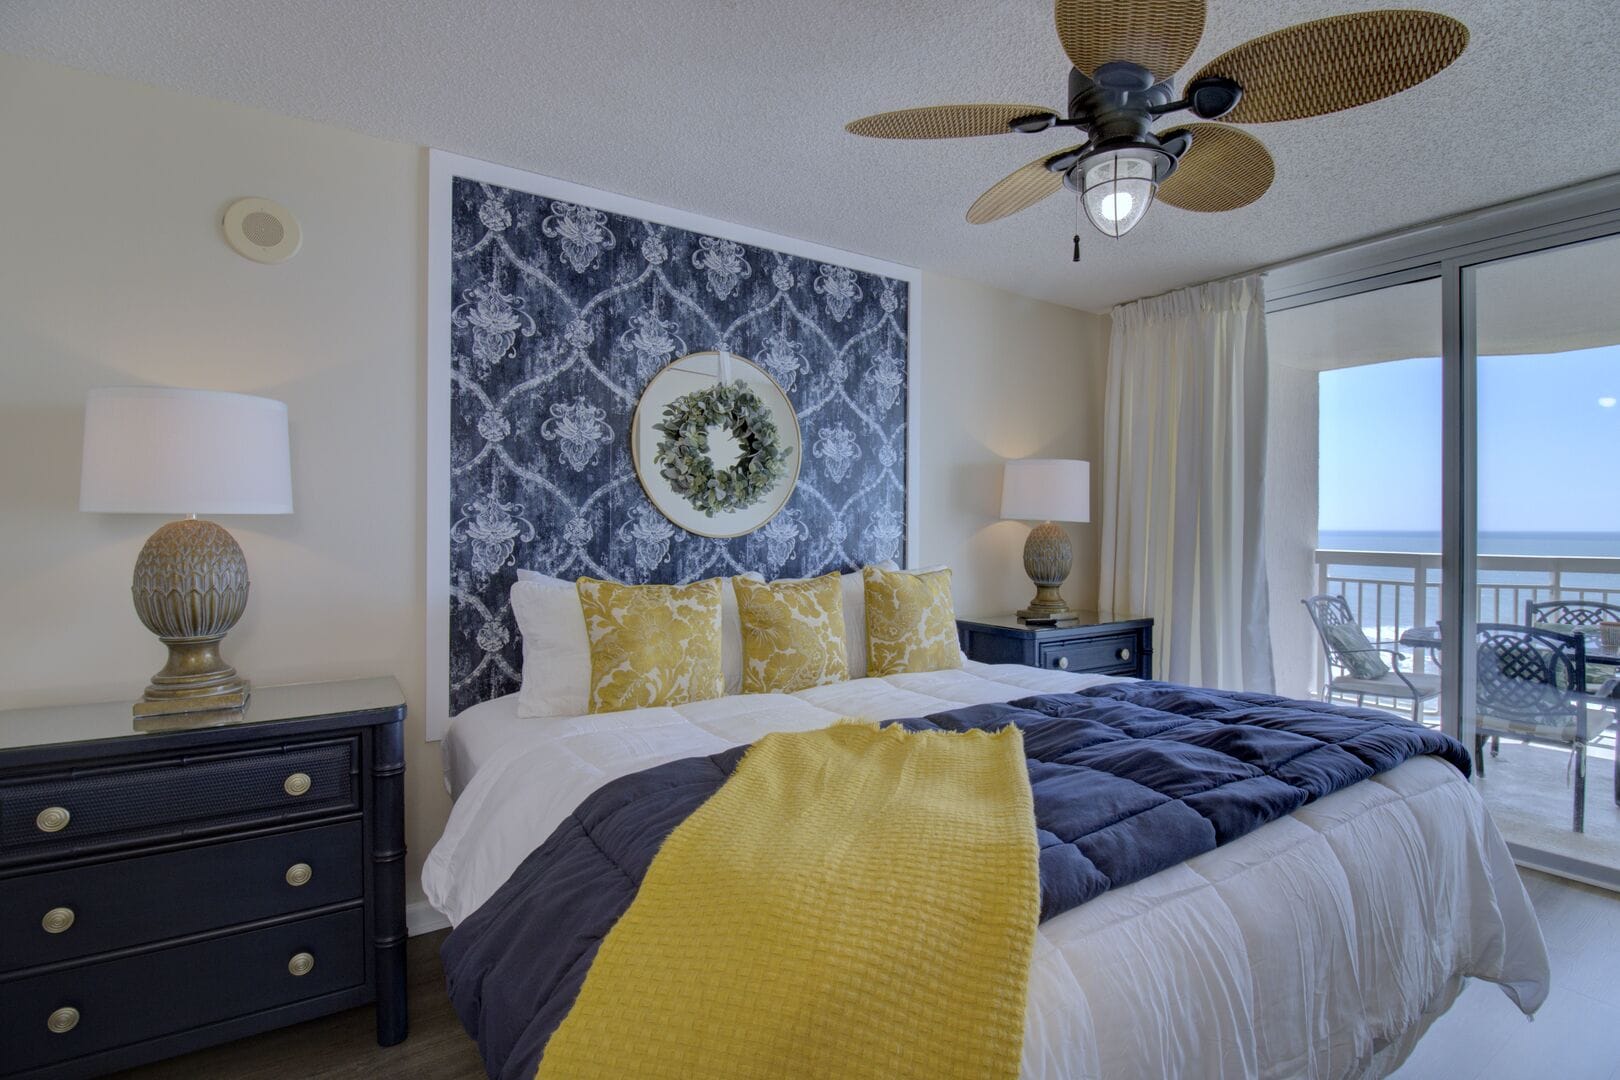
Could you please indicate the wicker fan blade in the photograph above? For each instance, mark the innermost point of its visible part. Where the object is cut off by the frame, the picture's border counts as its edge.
(1017, 191)
(943, 121)
(1337, 63)
(1160, 35)
(1223, 169)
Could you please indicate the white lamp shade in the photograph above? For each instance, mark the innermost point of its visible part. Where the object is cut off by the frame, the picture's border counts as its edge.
(159, 450)
(1046, 489)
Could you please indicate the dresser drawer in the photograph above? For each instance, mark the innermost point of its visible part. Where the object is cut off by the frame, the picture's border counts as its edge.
(81, 811)
(117, 1002)
(64, 914)
(1110, 654)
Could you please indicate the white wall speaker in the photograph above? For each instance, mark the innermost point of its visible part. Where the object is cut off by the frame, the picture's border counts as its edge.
(262, 230)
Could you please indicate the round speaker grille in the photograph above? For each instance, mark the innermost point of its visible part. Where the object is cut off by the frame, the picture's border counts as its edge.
(262, 230)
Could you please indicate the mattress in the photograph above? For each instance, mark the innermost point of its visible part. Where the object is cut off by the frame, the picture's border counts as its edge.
(477, 735)
(1320, 945)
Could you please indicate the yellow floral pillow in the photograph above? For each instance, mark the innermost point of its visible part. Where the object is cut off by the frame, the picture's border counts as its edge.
(792, 633)
(652, 644)
(910, 623)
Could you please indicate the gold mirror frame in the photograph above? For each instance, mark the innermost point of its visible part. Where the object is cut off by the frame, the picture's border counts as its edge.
(790, 432)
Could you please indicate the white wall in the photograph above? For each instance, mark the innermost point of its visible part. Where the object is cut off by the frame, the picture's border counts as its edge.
(113, 270)
(1004, 377)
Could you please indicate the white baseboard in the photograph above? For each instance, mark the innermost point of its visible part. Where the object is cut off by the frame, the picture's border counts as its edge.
(422, 917)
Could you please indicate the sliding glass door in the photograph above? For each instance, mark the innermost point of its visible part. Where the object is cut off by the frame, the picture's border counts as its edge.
(1353, 486)
(1444, 455)
(1541, 349)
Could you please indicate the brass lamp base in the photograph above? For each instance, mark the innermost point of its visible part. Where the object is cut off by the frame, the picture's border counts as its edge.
(169, 700)
(191, 720)
(1042, 611)
(190, 588)
(1048, 558)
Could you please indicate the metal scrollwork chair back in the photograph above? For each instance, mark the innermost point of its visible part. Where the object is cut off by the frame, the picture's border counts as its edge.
(1530, 684)
(1569, 612)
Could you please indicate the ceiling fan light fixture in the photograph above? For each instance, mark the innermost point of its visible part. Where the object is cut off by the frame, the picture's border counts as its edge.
(1116, 188)
(1123, 57)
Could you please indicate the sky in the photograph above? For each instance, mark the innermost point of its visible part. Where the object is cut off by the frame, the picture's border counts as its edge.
(1549, 444)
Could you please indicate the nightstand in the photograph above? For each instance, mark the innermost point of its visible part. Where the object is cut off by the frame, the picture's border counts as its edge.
(162, 891)
(1097, 643)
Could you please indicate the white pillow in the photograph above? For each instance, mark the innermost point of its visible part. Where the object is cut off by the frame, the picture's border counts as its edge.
(854, 601)
(557, 653)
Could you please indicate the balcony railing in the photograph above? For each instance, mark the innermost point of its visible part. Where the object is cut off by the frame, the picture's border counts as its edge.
(1390, 592)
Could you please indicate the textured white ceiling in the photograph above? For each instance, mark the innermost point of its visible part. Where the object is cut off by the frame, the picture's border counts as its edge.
(735, 109)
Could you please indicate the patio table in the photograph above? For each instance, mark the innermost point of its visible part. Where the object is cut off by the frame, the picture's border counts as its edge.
(1428, 637)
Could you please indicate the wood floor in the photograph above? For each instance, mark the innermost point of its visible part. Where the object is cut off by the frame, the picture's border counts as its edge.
(1576, 1036)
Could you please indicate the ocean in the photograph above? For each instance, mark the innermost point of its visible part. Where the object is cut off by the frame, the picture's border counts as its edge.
(1567, 544)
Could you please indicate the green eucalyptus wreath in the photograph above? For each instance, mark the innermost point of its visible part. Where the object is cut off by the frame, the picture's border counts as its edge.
(683, 452)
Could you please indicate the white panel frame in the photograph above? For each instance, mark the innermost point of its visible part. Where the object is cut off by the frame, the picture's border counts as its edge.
(442, 168)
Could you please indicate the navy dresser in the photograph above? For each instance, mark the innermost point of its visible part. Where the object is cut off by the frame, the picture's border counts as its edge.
(161, 891)
(1100, 644)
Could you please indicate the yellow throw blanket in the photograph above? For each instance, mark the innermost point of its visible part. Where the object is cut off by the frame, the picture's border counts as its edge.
(853, 902)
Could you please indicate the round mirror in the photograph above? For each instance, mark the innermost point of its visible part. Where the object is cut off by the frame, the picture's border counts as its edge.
(716, 444)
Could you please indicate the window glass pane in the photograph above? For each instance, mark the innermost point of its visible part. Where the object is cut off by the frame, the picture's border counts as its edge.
(1543, 665)
(1353, 481)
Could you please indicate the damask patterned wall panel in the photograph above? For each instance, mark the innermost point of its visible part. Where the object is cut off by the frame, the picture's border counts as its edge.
(560, 315)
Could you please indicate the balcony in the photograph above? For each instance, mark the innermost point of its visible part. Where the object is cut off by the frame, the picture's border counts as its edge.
(1382, 588)
(1527, 786)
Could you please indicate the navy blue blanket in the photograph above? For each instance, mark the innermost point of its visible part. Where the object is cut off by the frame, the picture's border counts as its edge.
(1129, 778)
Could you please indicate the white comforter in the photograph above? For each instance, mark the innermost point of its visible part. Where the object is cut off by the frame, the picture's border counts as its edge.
(1321, 945)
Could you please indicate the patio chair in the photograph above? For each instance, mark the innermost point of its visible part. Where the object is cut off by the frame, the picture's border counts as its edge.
(1581, 613)
(1356, 666)
(1529, 685)
(1581, 616)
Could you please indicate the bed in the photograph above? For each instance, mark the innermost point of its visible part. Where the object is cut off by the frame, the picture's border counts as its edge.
(1320, 945)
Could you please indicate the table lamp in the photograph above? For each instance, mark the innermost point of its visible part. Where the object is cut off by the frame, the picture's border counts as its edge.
(1047, 490)
(159, 450)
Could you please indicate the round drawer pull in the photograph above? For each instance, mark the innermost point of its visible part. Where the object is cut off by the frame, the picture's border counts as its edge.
(301, 964)
(296, 784)
(53, 819)
(1124, 654)
(299, 874)
(63, 1020)
(1063, 663)
(57, 920)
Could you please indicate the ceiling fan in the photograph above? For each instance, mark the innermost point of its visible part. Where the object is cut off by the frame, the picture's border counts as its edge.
(1125, 53)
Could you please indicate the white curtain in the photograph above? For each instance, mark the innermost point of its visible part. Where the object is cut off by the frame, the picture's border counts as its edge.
(1184, 447)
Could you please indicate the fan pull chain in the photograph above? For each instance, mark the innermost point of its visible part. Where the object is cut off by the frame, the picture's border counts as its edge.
(1077, 228)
